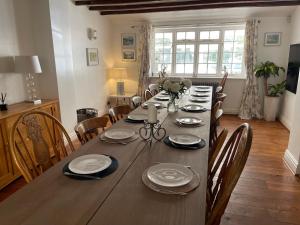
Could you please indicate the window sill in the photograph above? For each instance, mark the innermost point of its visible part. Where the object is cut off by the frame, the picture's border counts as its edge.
(205, 77)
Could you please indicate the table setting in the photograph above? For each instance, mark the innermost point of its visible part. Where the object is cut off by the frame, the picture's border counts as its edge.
(189, 122)
(90, 167)
(119, 136)
(171, 178)
(193, 108)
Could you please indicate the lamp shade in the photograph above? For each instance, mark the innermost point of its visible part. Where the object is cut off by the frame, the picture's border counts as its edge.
(27, 64)
(118, 73)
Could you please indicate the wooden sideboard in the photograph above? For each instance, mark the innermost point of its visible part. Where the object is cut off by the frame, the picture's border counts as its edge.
(8, 171)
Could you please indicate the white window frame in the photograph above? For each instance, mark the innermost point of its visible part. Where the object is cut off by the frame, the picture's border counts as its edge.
(222, 28)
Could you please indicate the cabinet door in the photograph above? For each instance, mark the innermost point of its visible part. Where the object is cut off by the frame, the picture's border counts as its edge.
(6, 165)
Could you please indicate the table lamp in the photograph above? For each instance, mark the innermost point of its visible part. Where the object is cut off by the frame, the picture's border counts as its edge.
(29, 65)
(120, 74)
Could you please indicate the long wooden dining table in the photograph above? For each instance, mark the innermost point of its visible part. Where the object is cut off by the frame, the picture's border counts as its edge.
(120, 198)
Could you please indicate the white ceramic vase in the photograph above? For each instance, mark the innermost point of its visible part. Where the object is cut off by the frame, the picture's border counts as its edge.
(271, 107)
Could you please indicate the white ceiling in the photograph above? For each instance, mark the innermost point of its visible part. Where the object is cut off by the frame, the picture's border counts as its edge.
(207, 14)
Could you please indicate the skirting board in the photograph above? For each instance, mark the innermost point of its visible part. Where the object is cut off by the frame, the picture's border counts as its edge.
(231, 111)
(291, 162)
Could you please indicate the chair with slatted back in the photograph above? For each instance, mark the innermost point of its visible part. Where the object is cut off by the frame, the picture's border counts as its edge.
(118, 112)
(37, 142)
(216, 115)
(226, 172)
(136, 101)
(147, 95)
(223, 82)
(153, 88)
(221, 97)
(216, 148)
(88, 129)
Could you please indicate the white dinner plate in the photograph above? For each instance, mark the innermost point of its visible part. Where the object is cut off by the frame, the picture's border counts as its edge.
(202, 87)
(119, 134)
(157, 104)
(200, 100)
(137, 117)
(164, 93)
(201, 91)
(200, 95)
(162, 98)
(189, 120)
(184, 139)
(170, 175)
(88, 164)
(193, 108)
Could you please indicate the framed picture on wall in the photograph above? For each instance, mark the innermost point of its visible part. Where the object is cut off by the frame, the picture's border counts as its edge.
(273, 39)
(92, 56)
(128, 40)
(128, 55)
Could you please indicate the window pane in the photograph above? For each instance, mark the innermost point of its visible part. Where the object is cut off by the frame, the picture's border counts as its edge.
(212, 69)
(189, 54)
(168, 38)
(203, 48)
(159, 48)
(214, 35)
(228, 67)
(229, 35)
(180, 48)
(159, 38)
(238, 47)
(202, 68)
(213, 48)
(227, 57)
(189, 68)
(190, 35)
(167, 58)
(180, 58)
(204, 35)
(237, 57)
(239, 35)
(180, 36)
(179, 68)
(203, 58)
(213, 57)
(237, 68)
(228, 47)
(169, 68)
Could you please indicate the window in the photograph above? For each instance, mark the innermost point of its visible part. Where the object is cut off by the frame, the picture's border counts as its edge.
(199, 51)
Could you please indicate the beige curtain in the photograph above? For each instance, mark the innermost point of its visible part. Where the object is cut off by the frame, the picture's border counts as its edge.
(145, 40)
(251, 106)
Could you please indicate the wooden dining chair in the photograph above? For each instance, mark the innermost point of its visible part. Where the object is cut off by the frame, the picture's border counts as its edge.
(221, 97)
(216, 148)
(223, 82)
(116, 113)
(37, 141)
(136, 101)
(88, 129)
(229, 166)
(216, 114)
(154, 89)
(147, 95)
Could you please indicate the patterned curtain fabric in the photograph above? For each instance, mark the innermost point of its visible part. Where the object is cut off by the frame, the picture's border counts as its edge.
(251, 106)
(145, 40)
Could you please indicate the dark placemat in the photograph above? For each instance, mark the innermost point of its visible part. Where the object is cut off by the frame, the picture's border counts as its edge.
(112, 168)
(133, 121)
(185, 147)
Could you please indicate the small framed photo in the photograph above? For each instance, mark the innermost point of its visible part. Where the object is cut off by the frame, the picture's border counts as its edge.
(273, 39)
(92, 56)
(128, 40)
(128, 55)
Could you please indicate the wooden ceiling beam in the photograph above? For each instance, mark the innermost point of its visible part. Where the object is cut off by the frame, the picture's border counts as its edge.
(149, 9)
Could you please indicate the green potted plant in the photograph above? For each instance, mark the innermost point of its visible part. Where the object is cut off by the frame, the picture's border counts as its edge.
(272, 92)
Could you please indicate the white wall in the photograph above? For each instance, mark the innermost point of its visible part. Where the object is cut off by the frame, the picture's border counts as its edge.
(289, 98)
(78, 85)
(292, 101)
(13, 42)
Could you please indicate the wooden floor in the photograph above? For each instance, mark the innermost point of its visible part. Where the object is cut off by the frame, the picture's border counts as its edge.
(267, 192)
